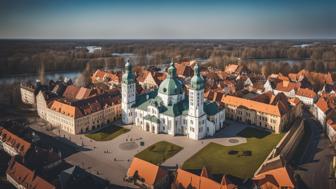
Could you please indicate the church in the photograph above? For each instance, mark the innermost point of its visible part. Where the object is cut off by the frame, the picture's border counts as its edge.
(168, 109)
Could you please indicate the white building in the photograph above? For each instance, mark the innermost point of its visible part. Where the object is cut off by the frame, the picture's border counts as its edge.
(82, 115)
(168, 110)
(307, 96)
(27, 93)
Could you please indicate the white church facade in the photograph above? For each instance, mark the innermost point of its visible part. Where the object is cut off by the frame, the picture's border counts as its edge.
(168, 110)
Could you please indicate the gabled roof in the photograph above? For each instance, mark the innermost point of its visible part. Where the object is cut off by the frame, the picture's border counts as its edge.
(83, 93)
(276, 110)
(18, 143)
(305, 92)
(322, 104)
(280, 177)
(184, 70)
(286, 86)
(27, 177)
(66, 109)
(185, 179)
(71, 92)
(149, 172)
(231, 68)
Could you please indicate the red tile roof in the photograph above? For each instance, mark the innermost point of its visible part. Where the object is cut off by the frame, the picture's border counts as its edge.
(305, 92)
(286, 86)
(185, 179)
(149, 172)
(65, 109)
(26, 177)
(276, 178)
(21, 145)
(184, 70)
(278, 109)
(231, 68)
(322, 104)
(71, 92)
(83, 93)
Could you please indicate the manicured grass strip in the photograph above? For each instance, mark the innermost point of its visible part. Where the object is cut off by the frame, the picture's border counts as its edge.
(239, 161)
(159, 152)
(107, 133)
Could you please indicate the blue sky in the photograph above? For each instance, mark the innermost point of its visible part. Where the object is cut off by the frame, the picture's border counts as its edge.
(149, 19)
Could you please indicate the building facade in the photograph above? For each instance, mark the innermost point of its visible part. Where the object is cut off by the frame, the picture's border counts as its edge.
(80, 116)
(168, 110)
(27, 94)
(268, 116)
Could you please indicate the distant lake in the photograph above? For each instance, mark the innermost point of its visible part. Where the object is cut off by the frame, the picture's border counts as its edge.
(32, 77)
(275, 60)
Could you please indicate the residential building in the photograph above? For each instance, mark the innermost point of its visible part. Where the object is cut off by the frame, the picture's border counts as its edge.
(23, 178)
(235, 69)
(325, 104)
(149, 79)
(267, 111)
(276, 175)
(331, 126)
(184, 70)
(27, 93)
(75, 177)
(186, 180)
(147, 175)
(79, 116)
(168, 110)
(13, 144)
(286, 87)
(307, 96)
(112, 79)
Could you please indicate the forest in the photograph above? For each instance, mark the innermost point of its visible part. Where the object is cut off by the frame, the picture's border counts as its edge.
(30, 56)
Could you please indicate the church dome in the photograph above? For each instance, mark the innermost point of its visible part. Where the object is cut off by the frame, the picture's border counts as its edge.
(197, 81)
(171, 85)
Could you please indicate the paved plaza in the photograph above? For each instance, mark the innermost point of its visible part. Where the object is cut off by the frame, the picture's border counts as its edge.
(111, 159)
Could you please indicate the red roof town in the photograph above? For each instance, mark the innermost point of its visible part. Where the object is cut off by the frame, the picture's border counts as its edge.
(21, 145)
(26, 177)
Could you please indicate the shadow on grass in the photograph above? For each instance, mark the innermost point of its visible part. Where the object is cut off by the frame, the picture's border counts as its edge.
(107, 133)
(250, 132)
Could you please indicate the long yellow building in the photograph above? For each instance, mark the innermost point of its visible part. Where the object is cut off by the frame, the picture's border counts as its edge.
(266, 111)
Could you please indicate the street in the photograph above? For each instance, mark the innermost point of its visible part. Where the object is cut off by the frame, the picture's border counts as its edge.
(314, 165)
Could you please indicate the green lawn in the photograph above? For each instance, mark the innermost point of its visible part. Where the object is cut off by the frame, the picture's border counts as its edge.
(107, 133)
(159, 152)
(217, 159)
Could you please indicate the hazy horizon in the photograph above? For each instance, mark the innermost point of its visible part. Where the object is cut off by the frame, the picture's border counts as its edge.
(149, 19)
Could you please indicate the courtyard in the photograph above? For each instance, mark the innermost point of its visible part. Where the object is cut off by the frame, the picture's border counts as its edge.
(110, 159)
(241, 160)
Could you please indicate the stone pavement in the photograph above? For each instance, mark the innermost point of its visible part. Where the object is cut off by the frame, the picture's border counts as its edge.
(107, 160)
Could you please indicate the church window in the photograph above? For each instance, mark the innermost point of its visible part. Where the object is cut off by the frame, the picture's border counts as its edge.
(192, 129)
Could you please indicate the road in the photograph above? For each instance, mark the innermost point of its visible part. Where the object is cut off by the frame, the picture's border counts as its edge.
(314, 166)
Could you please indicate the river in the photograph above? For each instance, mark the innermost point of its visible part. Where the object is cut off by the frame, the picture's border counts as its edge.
(275, 60)
(32, 77)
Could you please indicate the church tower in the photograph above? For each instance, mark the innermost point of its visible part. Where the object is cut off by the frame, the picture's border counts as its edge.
(196, 115)
(128, 94)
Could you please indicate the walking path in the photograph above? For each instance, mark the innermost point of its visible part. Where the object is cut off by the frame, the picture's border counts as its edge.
(108, 160)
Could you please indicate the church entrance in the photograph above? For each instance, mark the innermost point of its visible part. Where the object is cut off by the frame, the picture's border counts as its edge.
(153, 129)
(147, 127)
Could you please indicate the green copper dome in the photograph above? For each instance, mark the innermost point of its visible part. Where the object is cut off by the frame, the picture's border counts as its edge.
(128, 76)
(171, 85)
(197, 81)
